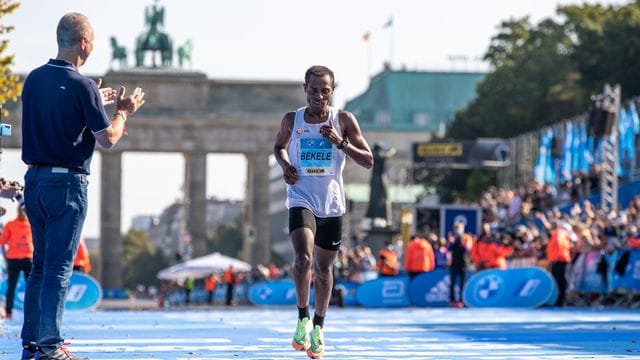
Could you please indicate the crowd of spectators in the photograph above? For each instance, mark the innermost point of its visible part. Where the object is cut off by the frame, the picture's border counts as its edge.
(521, 227)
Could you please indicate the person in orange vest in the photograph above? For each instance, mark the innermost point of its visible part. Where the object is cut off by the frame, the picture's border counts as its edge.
(387, 260)
(495, 252)
(559, 255)
(480, 248)
(82, 262)
(229, 279)
(210, 283)
(419, 257)
(17, 246)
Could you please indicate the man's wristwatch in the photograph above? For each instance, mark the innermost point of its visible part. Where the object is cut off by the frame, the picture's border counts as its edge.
(343, 144)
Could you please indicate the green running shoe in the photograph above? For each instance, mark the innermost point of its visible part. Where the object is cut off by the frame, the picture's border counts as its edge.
(316, 349)
(301, 337)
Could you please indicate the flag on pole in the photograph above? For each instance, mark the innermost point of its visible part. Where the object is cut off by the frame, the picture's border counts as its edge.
(389, 23)
(366, 36)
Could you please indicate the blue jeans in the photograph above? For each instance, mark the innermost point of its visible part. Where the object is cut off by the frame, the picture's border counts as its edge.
(56, 205)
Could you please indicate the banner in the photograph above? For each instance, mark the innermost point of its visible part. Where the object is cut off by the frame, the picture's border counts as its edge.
(83, 293)
(384, 292)
(431, 288)
(461, 154)
(522, 287)
(584, 274)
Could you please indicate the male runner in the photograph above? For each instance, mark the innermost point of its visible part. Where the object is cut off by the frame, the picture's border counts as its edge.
(311, 148)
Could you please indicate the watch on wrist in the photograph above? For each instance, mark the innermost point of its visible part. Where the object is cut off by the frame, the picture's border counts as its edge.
(343, 144)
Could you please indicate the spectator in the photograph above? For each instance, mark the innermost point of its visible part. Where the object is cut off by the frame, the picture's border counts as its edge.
(189, 284)
(419, 257)
(229, 280)
(559, 256)
(82, 261)
(388, 260)
(459, 246)
(210, 284)
(17, 247)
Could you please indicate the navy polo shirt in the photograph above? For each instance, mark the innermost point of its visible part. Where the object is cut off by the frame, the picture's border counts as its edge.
(61, 110)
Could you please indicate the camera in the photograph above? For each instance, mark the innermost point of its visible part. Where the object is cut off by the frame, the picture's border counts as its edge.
(12, 190)
(5, 129)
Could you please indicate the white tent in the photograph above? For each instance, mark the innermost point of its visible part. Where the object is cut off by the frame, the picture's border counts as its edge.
(202, 266)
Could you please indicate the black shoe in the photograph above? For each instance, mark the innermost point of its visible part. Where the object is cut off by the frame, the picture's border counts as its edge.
(60, 353)
(28, 352)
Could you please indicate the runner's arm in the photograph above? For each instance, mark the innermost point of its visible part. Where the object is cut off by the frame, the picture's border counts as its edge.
(280, 149)
(357, 148)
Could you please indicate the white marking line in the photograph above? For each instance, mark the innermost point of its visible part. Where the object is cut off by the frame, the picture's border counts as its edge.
(149, 341)
(359, 339)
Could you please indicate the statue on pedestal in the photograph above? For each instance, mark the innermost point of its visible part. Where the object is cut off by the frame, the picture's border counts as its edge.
(379, 210)
(154, 39)
(118, 53)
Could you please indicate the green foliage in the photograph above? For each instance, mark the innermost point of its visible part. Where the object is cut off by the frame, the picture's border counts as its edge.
(10, 86)
(227, 239)
(140, 262)
(545, 73)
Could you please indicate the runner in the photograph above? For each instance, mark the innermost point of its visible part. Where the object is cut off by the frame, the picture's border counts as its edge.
(311, 148)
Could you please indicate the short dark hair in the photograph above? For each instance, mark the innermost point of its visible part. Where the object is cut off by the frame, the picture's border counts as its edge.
(319, 71)
(71, 28)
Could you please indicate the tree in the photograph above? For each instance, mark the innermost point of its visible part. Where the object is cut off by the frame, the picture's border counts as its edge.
(140, 261)
(546, 73)
(533, 83)
(607, 45)
(10, 86)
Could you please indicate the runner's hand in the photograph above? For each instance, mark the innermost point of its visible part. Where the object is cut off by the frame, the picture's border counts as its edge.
(290, 175)
(330, 133)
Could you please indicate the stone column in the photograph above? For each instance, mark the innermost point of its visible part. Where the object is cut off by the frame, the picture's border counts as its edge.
(110, 206)
(195, 173)
(257, 249)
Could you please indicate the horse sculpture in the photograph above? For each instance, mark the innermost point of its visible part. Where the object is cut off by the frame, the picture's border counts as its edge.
(154, 40)
(184, 53)
(118, 53)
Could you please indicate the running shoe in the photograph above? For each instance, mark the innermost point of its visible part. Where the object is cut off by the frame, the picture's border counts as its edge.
(60, 353)
(301, 337)
(316, 349)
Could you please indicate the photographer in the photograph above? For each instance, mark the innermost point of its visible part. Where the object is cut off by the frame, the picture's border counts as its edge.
(11, 190)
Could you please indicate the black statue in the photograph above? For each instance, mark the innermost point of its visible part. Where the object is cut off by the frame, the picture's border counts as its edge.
(184, 53)
(118, 53)
(154, 39)
(379, 210)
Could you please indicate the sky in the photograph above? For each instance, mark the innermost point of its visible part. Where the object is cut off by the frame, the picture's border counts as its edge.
(261, 40)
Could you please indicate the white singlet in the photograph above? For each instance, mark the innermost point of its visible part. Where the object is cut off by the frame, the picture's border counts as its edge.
(319, 165)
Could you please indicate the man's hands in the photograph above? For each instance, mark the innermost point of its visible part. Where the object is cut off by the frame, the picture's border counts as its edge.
(107, 94)
(131, 103)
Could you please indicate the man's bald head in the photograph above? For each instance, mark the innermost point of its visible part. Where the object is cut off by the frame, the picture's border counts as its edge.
(71, 29)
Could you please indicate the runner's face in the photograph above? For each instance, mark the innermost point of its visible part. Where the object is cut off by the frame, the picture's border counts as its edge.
(319, 91)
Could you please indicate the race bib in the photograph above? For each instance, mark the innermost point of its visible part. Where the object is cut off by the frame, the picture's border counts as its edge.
(316, 157)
